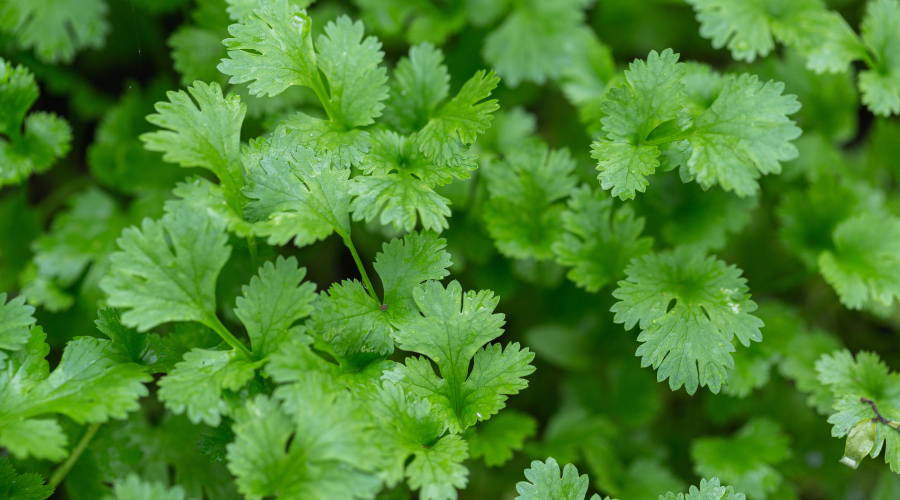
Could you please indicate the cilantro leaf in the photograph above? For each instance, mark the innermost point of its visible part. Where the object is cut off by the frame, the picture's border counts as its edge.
(146, 349)
(496, 439)
(272, 49)
(598, 242)
(523, 215)
(748, 460)
(133, 488)
(196, 384)
(352, 67)
(206, 134)
(21, 486)
(275, 299)
(314, 444)
(546, 482)
(45, 137)
(295, 193)
(166, 270)
(399, 184)
(743, 134)
(859, 387)
(358, 326)
(880, 86)
(458, 122)
(533, 42)
(652, 95)
(688, 343)
(865, 262)
(708, 490)
(451, 332)
(55, 29)
(91, 384)
(15, 321)
(413, 429)
(421, 83)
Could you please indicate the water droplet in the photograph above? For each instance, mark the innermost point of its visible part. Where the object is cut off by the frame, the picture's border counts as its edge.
(298, 21)
(479, 414)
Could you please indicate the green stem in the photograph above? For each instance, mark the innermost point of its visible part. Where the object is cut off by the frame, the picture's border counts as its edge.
(319, 88)
(60, 473)
(213, 322)
(362, 270)
(254, 255)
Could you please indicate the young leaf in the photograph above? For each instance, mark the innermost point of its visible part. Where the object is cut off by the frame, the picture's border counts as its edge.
(206, 134)
(865, 263)
(860, 387)
(196, 384)
(45, 137)
(314, 444)
(690, 342)
(92, 383)
(459, 121)
(708, 490)
(133, 488)
(21, 486)
(747, 461)
(146, 349)
(496, 439)
(546, 482)
(598, 242)
(523, 215)
(880, 86)
(295, 194)
(421, 82)
(452, 332)
(166, 270)
(652, 95)
(54, 29)
(275, 299)
(16, 319)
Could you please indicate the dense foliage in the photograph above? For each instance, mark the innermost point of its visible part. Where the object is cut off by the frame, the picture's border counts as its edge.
(441, 249)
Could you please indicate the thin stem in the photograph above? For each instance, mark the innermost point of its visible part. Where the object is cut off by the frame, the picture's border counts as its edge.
(319, 88)
(362, 270)
(254, 255)
(214, 323)
(878, 417)
(675, 137)
(60, 473)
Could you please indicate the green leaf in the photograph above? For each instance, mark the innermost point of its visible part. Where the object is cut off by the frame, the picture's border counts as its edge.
(458, 122)
(523, 215)
(747, 461)
(352, 67)
(860, 441)
(295, 194)
(196, 384)
(166, 270)
(534, 42)
(689, 342)
(598, 241)
(451, 332)
(709, 490)
(652, 95)
(16, 319)
(745, 133)
(546, 482)
(399, 184)
(92, 383)
(865, 263)
(55, 29)
(859, 386)
(880, 86)
(355, 324)
(496, 439)
(314, 445)
(133, 488)
(21, 486)
(45, 137)
(438, 471)
(272, 49)
(146, 349)
(206, 134)
(421, 83)
(275, 299)
(347, 147)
